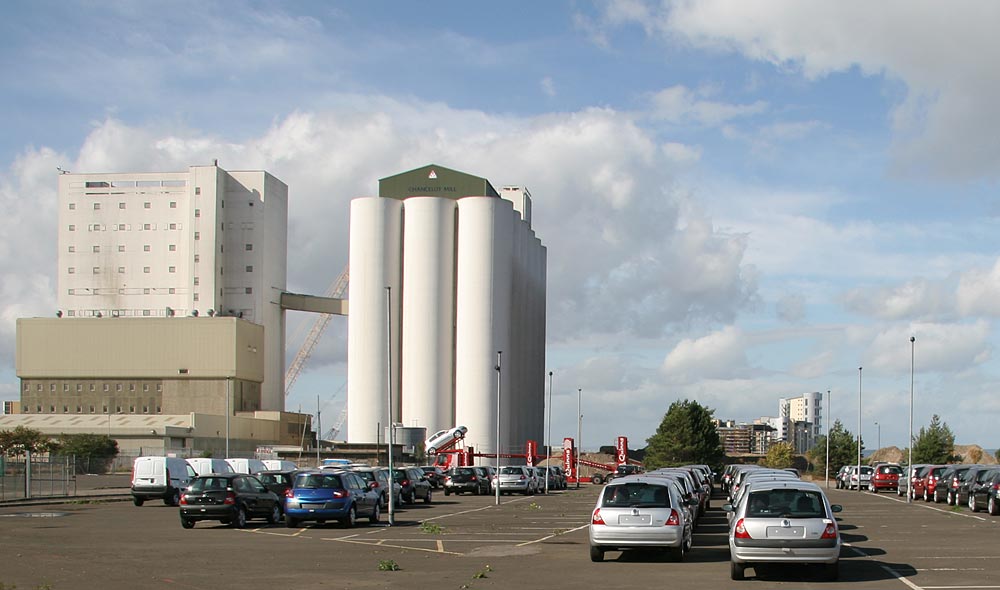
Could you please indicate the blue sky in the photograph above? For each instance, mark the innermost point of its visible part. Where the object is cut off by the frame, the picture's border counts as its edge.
(741, 201)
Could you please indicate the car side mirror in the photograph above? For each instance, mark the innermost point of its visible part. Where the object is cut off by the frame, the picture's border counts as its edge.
(836, 508)
(727, 507)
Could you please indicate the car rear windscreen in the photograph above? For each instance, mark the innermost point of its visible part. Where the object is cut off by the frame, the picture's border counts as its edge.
(202, 484)
(318, 481)
(785, 503)
(635, 495)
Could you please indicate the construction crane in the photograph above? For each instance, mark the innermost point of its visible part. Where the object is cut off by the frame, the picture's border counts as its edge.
(332, 433)
(336, 291)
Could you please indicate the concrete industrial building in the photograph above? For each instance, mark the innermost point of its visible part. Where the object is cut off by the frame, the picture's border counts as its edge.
(466, 279)
(800, 420)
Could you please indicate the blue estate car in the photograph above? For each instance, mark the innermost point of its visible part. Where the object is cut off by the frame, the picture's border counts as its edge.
(330, 495)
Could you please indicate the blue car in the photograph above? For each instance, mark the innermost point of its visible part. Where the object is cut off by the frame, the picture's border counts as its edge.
(330, 495)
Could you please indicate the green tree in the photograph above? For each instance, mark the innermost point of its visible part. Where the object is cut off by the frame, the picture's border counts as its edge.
(93, 452)
(843, 449)
(934, 444)
(21, 439)
(779, 456)
(685, 435)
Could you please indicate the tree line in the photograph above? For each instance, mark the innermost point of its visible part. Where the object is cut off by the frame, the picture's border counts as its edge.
(93, 451)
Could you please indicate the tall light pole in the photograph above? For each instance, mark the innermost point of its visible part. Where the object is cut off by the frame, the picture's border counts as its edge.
(859, 429)
(828, 439)
(909, 460)
(548, 437)
(579, 433)
(878, 437)
(498, 367)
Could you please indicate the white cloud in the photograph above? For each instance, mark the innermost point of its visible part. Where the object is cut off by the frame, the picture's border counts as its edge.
(979, 292)
(914, 299)
(719, 355)
(938, 347)
(791, 308)
(678, 104)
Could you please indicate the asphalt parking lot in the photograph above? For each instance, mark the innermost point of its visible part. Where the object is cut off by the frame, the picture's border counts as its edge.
(467, 542)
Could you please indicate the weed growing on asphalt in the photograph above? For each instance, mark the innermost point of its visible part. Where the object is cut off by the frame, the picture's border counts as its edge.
(482, 573)
(384, 565)
(431, 528)
(533, 506)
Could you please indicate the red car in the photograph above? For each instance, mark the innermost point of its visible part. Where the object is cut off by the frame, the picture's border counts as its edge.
(885, 477)
(925, 482)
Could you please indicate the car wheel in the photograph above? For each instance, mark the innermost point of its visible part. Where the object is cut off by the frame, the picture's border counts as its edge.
(275, 515)
(187, 523)
(137, 501)
(677, 553)
(972, 503)
(737, 571)
(376, 515)
(831, 571)
(173, 498)
(936, 496)
(874, 489)
(291, 522)
(351, 519)
(409, 498)
(926, 497)
(596, 553)
(240, 519)
(991, 506)
(447, 492)
(597, 479)
(427, 498)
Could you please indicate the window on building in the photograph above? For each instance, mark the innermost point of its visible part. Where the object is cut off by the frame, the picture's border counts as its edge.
(197, 212)
(97, 206)
(145, 269)
(157, 409)
(145, 409)
(197, 190)
(107, 387)
(147, 226)
(195, 297)
(72, 206)
(71, 313)
(222, 203)
(249, 268)
(197, 280)
(118, 409)
(91, 409)
(97, 270)
(222, 247)
(121, 270)
(104, 409)
(79, 409)
(173, 204)
(71, 270)
(197, 235)
(173, 226)
(171, 291)
(92, 387)
(97, 249)
(146, 248)
(72, 227)
(172, 247)
(197, 258)
(121, 247)
(38, 409)
(131, 386)
(121, 205)
(222, 226)
(65, 386)
(146, 313)
(249, 291)
(71, 291)
(251, 203)
(79, 386)
(52, 386)
(145, 291)
(65, 409)
(72, 248)
(145, 386)
(147, 205)
(222, 270)
(52, 409)
(249, 247)
(159, 387)
(171, 269)
(131, 409)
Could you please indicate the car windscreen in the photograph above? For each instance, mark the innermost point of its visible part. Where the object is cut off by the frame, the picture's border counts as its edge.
(464, 471)
(203, 484)
(785, 503)
(511, 471)
(368, 476)
(318, 481)
(888, 469)
(271, 478)
(635, 495)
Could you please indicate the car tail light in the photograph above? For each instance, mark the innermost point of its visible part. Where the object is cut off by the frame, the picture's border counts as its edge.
(184, 500)
(473, 478)
(340, 494)
(447, 478)
(830, 532)
(289, 493)
(596, 518)
(404, 483)
(740, 531)
(674, 519)
(230, 499)
(523, 477)
(995, 486)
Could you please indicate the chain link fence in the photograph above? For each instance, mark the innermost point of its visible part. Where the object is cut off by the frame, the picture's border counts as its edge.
(37, 476)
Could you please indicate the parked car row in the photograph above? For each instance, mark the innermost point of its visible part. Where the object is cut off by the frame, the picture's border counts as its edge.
(654, 510)
(165, 478)
(976, 487)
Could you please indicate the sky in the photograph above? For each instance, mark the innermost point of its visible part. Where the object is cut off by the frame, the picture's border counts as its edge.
(741, 200)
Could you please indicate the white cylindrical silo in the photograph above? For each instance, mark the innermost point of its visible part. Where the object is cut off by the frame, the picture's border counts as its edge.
(482, 315)
(537, 369)
(375, 249)
(428, 312)
(519, 318)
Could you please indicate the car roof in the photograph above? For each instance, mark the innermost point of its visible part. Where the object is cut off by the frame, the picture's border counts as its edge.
(639, 478)
(795, 484)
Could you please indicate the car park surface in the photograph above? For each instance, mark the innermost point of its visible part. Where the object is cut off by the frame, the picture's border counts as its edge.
(538, 538)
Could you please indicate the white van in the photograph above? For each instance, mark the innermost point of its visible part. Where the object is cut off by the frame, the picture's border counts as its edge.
(280, 465)
(249, 466)
(206, 465)
(160, 478)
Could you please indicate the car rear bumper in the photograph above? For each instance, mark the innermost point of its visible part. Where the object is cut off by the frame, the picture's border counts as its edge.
(804, 551)
(150, 493)
(635, 536)
(465, 486)
(217, 512)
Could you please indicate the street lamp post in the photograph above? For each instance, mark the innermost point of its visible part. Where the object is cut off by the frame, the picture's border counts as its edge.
(388, 404)
(548, 436)
(859, 429)
(579, 433)
(909, 460)
(828, 439)
(878, 436)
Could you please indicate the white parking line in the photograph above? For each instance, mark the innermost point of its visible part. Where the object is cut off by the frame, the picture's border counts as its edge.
(933, 507)
(886, 568)
(553, 535)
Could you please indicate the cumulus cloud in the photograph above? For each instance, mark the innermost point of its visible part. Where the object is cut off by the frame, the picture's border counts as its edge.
(942, 347)
(679, 104)
(915, 299)
(979, 291)
(718, 355)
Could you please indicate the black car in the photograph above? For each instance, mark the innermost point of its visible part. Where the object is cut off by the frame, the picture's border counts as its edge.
(466, 479)
(986, 494)
(230, 498)
(973, 477)
(435, 475)
(947, 485)
(413, 484)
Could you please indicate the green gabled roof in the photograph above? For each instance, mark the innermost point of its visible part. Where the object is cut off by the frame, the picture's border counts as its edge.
(435, 181)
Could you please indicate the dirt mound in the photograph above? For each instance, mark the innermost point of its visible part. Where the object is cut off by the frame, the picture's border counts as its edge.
(888, 455)
(974, 454)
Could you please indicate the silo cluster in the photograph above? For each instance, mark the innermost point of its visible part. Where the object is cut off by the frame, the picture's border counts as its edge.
(439, 285)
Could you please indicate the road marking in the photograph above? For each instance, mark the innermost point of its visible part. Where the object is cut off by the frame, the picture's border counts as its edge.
(935, 508)
(440, 546)
(953, 587)
(383, 544)
(552, 535)
(886, 568)
(950, 569)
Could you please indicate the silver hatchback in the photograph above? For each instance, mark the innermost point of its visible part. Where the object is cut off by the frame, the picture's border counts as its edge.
(636, 512)
(784, 522)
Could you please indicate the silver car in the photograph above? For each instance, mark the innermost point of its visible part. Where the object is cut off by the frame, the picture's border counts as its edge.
(784, 522)
(636, 512)
(517, 479)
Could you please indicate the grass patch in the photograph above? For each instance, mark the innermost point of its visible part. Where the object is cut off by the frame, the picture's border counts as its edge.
(384, 565)
(533, 506)
(482, 573)
(431, 528)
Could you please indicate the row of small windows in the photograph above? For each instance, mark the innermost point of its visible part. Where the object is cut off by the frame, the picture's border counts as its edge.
(148, 269)
(121, 248)
(93, 387)
(128, 227)
(145, 205)
(93, 409)
(132, 184)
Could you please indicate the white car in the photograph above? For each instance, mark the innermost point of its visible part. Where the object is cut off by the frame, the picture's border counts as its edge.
(441, 437)
(784, 522)
(640, 512)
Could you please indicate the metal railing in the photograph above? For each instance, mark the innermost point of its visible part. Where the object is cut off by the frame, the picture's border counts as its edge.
(31, 476)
